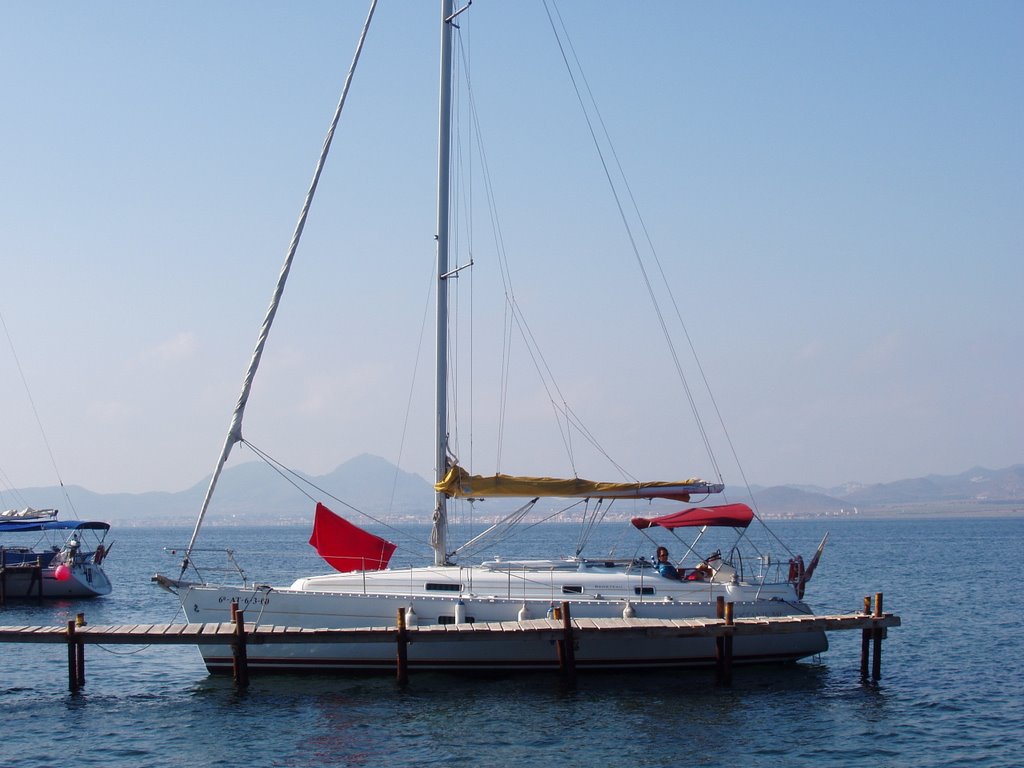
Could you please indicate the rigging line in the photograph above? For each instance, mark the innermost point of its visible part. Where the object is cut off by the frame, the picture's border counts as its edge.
(35, 412)
(235, 429)
(633, 244)
(517, 524)
(533, 348)
(661, 270)
(291, 476)
(499, 245)
(591, 520)
(675, 305)
(412, 384)
(10, 489)
(539, 360)
(466, 177)
(510, 519)
(502, 254)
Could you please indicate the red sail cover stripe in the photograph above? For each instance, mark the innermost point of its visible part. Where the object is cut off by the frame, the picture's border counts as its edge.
(347, 547)
(734, 515)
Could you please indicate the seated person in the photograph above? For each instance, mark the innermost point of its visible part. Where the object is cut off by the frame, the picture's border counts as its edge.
(702, 572)
(663, 566)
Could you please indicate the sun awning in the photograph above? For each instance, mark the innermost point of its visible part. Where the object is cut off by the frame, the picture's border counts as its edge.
(347, 547)
(18, 526)
(460, 484)
(725, 515)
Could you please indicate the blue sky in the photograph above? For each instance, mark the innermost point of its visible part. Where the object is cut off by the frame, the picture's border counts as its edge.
(836, 192)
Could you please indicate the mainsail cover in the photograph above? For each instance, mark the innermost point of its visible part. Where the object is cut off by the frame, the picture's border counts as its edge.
(459, 484)
(724, 515)
(347, 547)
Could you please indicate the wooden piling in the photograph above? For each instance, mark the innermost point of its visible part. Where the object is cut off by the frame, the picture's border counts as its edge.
(80, 662)
(727, 646)
(871, 640)
(879, 633)
(865, 650)
(73, 676)
(720, 641)
(403, 653)
(567, 654)
(3, 577)
(239, 658)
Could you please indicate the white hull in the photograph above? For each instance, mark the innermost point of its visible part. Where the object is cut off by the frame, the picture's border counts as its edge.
(373, 599)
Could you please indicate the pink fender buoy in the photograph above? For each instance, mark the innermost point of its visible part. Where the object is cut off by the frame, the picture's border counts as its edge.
(62, 573)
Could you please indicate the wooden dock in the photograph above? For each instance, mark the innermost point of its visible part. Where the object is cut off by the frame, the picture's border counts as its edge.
(564, 631)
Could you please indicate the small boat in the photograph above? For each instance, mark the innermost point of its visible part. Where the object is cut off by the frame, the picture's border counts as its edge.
(365, 592)
(63, 562)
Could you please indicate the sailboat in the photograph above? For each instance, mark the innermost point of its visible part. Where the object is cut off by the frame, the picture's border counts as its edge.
(63, 559)
(42, 556)
(365, 592)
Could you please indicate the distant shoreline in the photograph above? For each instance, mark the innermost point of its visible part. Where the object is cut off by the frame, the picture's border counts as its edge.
(867, 515)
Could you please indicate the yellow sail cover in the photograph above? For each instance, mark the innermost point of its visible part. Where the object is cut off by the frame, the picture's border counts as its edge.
(460, 484)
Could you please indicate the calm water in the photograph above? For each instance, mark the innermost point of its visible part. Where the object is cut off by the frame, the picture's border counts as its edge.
(952, 692)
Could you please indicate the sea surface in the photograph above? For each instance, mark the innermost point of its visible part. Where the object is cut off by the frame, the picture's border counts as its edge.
(952, 691)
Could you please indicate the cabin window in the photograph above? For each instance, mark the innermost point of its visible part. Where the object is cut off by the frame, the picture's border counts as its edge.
(569, 589)
(451, 620)
(433, 587)
(643, 590)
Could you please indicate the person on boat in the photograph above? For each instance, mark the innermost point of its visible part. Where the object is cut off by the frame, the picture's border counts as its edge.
(663, 566)
(702, 572)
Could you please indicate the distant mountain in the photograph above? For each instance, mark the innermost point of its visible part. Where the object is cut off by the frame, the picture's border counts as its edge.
(254, 493)
(977, 490)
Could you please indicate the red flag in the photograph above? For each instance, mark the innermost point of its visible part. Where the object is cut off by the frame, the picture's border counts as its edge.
(347, 547)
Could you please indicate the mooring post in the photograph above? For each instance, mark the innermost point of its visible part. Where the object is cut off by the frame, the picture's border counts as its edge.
(239, 658)
(865, 641)
(720, 641)
(403, 657)
(879, 632)
(73, 676)
(567, 656)
(80, 650)
(727, 646)
(3, 577)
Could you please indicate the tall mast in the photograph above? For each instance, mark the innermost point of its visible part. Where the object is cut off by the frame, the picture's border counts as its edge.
(439, 534)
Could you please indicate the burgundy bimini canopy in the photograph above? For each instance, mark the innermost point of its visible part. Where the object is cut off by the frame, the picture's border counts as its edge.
(725, 515)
